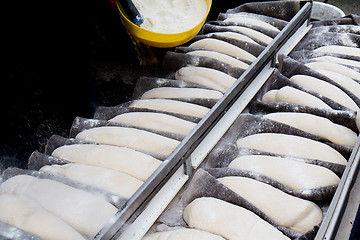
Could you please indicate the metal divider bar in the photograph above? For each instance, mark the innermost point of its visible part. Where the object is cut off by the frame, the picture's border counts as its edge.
(138, 202)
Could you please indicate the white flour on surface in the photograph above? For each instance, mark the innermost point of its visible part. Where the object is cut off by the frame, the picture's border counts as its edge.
(171, 16)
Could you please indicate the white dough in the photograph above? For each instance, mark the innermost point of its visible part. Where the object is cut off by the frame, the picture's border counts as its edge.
(335, 67)
(133, 138)
(344, 50)
(294, 96)
(172, 106)
(294, 174)
(223, 47)
(30, 217)
(251, 21)
(109, 180)
(83, 211)
(183, 234)
(206, 76)
(316, 125)
(228, 220)
(175, 92)
(286, 210)
(155, 121)
(342, 61)
(291, 145)
(117, 158)
(259, 36)
(221, 57)
(234, 35)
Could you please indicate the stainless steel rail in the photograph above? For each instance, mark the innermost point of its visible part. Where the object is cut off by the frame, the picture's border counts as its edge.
(138, 202)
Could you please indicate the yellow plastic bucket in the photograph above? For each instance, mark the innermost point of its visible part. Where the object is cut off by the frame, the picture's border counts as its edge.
(161, 40)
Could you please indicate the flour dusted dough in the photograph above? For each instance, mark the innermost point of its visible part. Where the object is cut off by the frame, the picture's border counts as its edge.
(130, 137)
(172, 106)
(344, 50)
(234, 35)
(206, 76)
(155, 121)
(109, 180)
(296, 175)
(221, 57)
(83, 211)
(223, 47)
(251, 21)
(335, 67)
(286, 210)
(117, 158)
(174, 92)
(30, 217)
(291, 145)
(228, 220)
(183, 234)
(342, 61)
(316, 125)
(294, 96)
(259, 36)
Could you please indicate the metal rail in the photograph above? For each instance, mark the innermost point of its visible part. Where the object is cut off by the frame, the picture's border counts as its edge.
(138, 202)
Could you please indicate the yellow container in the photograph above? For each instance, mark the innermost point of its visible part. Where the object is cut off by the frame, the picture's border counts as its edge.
(161, 40)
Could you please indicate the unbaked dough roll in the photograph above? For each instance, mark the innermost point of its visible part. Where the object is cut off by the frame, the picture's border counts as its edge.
(183, 234)
(343, 50)
(294, 96)
(206, 76)
(176, 92)
(223, 47)
(155, 121)
(221, 57)
(250, 21)
(342, 61)
(298, 176)
(30, 217)
(133, 138)
(316, 125)
(291, 145)
(117, 158)
(259, 36)
(335, 67)
(234, 35)
(109, 180)
(83, 211)
(172, 106)
(228, 220)
(285, 210)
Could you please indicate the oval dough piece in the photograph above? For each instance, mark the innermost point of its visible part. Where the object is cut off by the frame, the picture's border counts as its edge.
(130, 137)
(259, 36)
(172, 106)
(286, 210)
(251, 21)
(30, 217)
(85, 212)
(155, 121)
(291, 145)
(344, 50)
(294, 96)
(185, 233)
(174, 92)
(221, 57)
(206, 76)
(316, 125)
(223, 47)
(109, 180)
(117, 158)
(228, 220)
(299, 176)
(335, 67)
(234, 35)
(342, 61)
